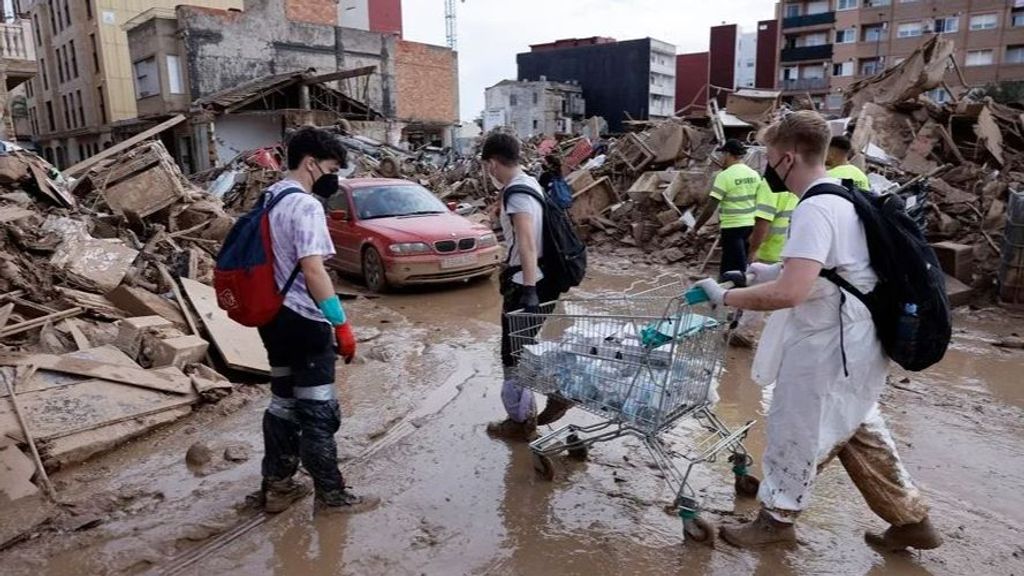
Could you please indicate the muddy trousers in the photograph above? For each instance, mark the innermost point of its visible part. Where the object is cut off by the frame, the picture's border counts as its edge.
(517, 332)
(873, 464)
(303, 415)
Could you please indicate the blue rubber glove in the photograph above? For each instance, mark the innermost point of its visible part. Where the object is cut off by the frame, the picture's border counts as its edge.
(331, 307)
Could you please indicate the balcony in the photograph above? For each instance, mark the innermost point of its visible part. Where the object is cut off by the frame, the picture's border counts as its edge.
(823, 52)
(17, 52)
(804, 84)
(808, 20)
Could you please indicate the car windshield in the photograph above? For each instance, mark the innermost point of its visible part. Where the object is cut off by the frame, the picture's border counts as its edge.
(390, 201)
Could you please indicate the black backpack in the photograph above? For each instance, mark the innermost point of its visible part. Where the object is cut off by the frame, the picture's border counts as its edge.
(909, 305)
(565, 257)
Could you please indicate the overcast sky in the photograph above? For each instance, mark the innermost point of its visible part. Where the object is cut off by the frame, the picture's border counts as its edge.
(492, 32)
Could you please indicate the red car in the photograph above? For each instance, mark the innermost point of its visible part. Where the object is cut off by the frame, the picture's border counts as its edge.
(396, 232)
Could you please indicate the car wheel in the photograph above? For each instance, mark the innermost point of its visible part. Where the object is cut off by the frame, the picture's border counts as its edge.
(373, 270)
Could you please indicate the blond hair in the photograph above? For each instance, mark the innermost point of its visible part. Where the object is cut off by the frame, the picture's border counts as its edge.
(805, 132)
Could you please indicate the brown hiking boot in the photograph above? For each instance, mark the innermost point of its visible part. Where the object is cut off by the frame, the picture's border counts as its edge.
(553, 411)
(509, 429)
(920, 536)
(762, 531)
(344, 502)
(279, 495)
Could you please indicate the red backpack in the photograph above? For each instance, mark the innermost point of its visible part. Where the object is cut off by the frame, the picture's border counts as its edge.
(244, 276)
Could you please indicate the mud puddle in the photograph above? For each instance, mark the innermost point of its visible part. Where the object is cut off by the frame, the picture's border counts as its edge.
(458, 502)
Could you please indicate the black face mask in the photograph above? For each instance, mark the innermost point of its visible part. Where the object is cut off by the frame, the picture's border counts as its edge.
(326, 185)
(775, 182)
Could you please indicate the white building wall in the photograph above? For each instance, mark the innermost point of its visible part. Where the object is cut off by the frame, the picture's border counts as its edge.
(662, 90)
(746, 60)
(354, 14)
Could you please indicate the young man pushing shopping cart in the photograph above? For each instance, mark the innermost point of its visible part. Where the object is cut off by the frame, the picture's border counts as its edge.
(827, 362)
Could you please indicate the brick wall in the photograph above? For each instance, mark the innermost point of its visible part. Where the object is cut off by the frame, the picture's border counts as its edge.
(312, 11)
(428, 83)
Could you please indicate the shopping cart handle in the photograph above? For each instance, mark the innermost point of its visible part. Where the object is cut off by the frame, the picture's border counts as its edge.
(731, 279)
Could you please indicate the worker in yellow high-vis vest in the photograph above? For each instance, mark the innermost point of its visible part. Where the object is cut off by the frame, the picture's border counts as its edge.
(838, 163)
(771, 224)
(735, 193)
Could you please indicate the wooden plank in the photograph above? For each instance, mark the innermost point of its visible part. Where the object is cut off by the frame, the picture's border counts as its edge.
(38, 322)
(26, 432)
(16, 472)
(239, 346)
(80, 168)
(107, 371)
(45, 380)
(13, 213)
(68, 410)
(85, 444)
(76, 334)
(341, 75)
(5, 314)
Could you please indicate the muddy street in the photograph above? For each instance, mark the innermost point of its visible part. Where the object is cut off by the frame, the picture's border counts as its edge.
(458, 502)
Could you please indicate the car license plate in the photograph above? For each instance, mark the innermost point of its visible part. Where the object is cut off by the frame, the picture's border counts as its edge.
(458, 261)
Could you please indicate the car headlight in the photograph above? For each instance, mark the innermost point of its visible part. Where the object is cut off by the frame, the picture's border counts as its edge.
(487, 241)
(407, 248)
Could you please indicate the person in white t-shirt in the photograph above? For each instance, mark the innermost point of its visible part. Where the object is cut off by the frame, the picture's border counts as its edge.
(825, 360)
(523, 286)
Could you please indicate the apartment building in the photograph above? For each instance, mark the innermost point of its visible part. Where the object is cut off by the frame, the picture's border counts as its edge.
(826, 45)
(85, 79)
(534, 108)
(17, 67)
(632, 78)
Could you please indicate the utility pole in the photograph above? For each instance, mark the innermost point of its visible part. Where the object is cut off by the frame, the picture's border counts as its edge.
(450, 24)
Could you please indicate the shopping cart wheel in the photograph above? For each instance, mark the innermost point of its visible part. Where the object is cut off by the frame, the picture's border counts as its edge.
(544, 466)
(577, 450)
(699, 530)
(747, 486)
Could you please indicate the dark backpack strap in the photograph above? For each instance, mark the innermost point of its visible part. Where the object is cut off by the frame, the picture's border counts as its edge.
(518, 189)
(268, 205)
(833, 189)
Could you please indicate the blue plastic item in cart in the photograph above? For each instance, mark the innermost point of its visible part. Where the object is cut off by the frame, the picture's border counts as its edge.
(657, 335)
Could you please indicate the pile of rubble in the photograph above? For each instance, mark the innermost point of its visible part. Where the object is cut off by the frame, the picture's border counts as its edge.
(108, 325)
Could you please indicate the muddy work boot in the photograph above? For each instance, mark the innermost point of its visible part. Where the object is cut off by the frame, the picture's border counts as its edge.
(278, 495)
(762, 531)
(919, 536)
(344, 502)
(509, 429)
(553, 411)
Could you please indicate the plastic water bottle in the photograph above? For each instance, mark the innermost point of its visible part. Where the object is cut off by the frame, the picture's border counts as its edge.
(907, 327)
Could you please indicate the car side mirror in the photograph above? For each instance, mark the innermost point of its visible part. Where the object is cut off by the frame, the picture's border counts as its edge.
(452, 206)
(338, 215)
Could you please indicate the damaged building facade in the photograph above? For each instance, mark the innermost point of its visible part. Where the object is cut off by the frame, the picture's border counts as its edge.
(534, 108)
(633, 79)
(85, 79)
(735, 60)
(411, 88)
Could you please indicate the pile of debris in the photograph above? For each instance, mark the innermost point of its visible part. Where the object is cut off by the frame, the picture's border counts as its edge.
(108, 325)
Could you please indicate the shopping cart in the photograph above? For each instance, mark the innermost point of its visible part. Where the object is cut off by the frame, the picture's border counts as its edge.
(642, 362)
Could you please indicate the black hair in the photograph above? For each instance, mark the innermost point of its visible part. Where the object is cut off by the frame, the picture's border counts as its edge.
(501, 147)
(841, 143)
(315, 142)
(554, 162)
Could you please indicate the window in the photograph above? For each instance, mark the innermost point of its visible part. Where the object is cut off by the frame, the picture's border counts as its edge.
(67, 13)
(74, 57)
(513, 100)
(947, 25)
(909, 30)
(147, 80)
(46, 77)
(1014, 54)
(67, 117)
(535, 124)
(819, 7)
(846, 36)
(819, 39)
(846, 4)
(53, 18)
(101, 104)
(792, 10)
(978, 58)
(49, 115)
(813, 72)
(535, 98)
(95, 53)
(1017, 17)
(174, 83)
(28, 89)
(81, 108)
(88, 9)
(984, 22)
(60, 66)
(874, 32)
(35, 29)
(876, 3)
(60, 17)
(789, 73)
(871, 66)
(842, 69)
(60, 157)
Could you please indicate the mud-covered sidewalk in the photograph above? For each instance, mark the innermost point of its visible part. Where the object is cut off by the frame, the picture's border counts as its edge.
(459, 502)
